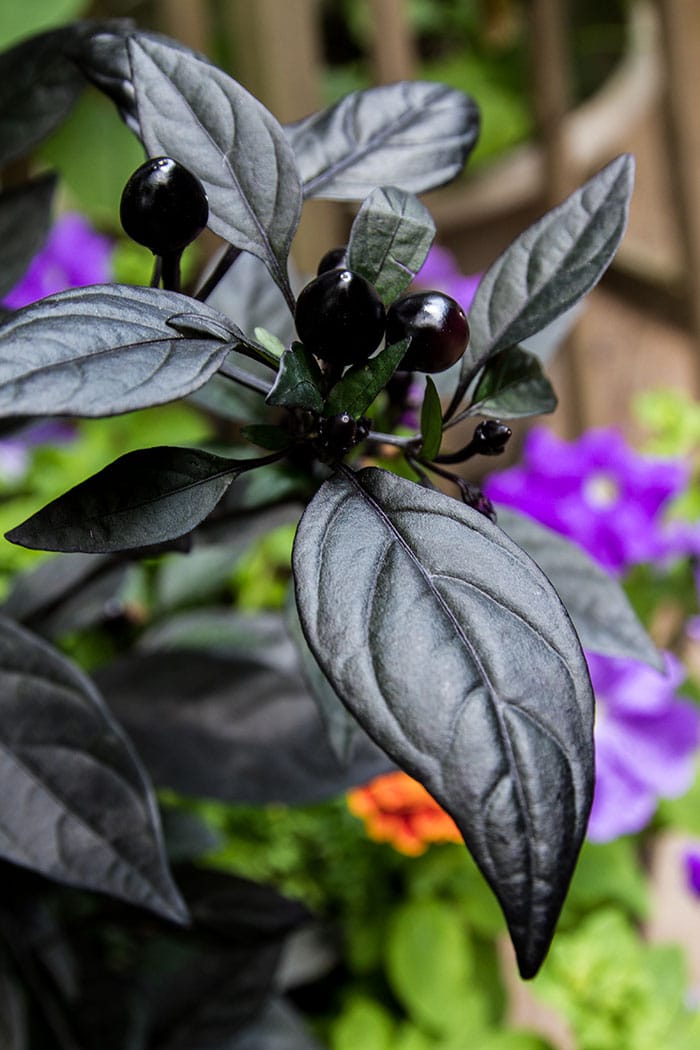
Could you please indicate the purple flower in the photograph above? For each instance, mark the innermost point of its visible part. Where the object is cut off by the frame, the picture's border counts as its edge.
(440, 273)
(645, 742)
(74, 255)
(597, 491)
(691, 863)
(15, 451)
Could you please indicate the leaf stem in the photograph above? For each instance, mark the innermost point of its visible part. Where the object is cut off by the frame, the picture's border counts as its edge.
(239, 375)
(220, 270)
(157, 270)
(407, 443)
(170, 271)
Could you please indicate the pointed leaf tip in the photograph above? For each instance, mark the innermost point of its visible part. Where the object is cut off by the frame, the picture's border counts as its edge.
(455, 654)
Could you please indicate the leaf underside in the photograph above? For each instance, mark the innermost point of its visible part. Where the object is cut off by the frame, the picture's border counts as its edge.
(455, 654)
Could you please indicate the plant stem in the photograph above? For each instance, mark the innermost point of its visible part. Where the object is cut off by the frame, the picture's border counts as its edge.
(239, 375)
(407, 443)
(220, 270)
(157, 270)
(171, 271)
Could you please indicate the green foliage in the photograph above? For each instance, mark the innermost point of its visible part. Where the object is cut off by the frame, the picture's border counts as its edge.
(18, 20)
(616, 992)
(429, 964)
(93, 131)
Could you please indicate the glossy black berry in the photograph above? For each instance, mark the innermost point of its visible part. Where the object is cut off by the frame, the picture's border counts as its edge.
(332, 260)
(491, 437)
(436, 325)
(163, 206)
(338, 434)
(340, 318)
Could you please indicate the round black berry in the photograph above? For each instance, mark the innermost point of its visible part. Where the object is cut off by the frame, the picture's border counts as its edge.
(340, 318)
(436, 325)
(332, 260)
(163, 206)
(491, 437)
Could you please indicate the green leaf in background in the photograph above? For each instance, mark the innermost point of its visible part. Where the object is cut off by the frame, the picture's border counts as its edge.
(94, 131)
(608, 873)
(363, 1024)
(390, 239)
(615, 991)
(429, 964)
(358, 388)
(19, 20)
(431, 421)
(298, 381)
(513, 386)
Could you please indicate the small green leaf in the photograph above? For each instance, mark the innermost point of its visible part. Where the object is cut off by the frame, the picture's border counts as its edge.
(266, 436)
(513, 386)
(390, 239)
(298, 381)
(431, 420)
(358, 388)
(269, 341)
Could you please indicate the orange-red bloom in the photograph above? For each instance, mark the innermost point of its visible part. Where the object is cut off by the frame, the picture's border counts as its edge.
(397, 809)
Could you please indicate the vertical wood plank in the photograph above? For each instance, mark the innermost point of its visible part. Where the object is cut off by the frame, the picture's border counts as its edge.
(680, 22)
(393, 51)
(278, 58)
(188, 21)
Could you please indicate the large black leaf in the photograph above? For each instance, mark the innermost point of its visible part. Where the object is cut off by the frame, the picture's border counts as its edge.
(230, 729)
(75, 803)
(601, 612)
(413, 135)
(13, 1020)
(39, 85)
(102, 350)
(454, 652)
(25, 217)
(192, 111)
(145, 497)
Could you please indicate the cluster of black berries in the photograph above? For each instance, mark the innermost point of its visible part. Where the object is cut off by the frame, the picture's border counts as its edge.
(341, 320)
(339, 315)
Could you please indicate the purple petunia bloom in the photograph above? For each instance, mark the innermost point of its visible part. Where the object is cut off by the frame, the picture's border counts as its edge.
(597, 491)
(74, 255)
(440, 273)
(691, 862)
(645, 742)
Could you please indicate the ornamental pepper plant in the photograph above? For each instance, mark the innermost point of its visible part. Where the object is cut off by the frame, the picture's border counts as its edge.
(421, 633)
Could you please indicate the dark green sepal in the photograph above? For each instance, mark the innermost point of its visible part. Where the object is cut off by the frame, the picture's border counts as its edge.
(298, 383)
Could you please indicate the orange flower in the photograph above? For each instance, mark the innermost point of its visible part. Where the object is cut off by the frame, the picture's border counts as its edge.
(397, 809)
